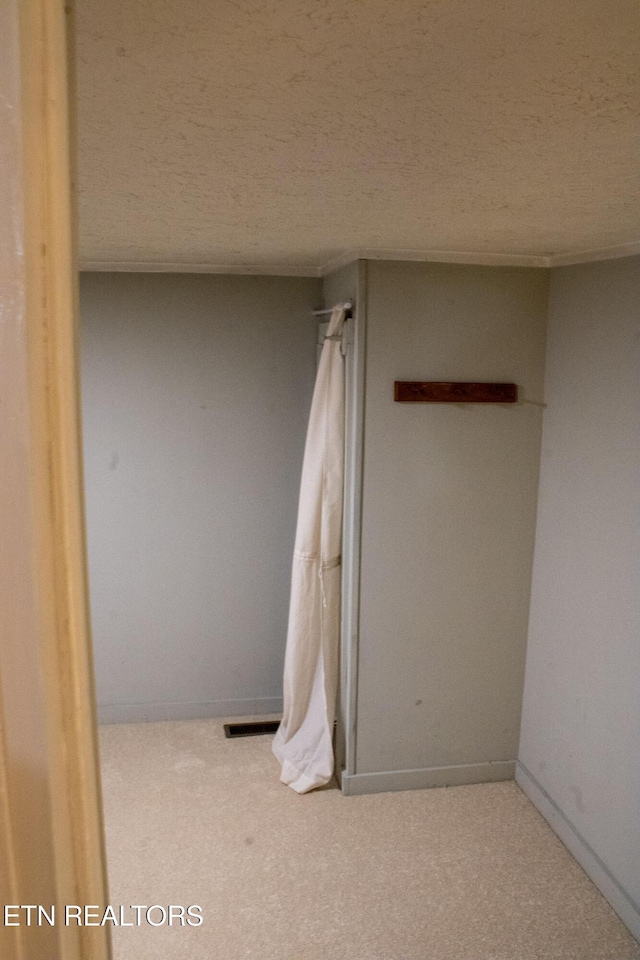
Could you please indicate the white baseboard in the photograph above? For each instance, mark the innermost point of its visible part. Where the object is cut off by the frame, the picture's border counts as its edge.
(356, 784)
(198, 710)
(596, 870)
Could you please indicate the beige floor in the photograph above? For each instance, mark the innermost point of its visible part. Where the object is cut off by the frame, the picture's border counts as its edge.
(465, 873)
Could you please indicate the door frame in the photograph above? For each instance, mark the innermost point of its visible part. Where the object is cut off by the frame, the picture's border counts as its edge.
(51, 824)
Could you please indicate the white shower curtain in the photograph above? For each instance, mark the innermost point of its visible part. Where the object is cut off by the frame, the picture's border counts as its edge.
(304, 741)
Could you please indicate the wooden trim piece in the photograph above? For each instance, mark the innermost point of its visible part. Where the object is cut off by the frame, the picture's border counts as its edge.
(51, 768)
(446, 392)
(10, 938)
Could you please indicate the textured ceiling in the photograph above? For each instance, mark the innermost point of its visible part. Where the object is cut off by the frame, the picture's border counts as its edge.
(293, 131)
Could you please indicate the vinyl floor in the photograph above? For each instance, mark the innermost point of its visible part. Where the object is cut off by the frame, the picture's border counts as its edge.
(460, 873)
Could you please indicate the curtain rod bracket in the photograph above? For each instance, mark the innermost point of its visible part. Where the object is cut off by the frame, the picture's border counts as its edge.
(347, 305)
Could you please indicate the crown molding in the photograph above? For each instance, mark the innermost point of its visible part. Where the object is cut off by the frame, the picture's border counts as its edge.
(342, 260)
(337, 263)
(155, 266)
(438, 256)
(602, 253)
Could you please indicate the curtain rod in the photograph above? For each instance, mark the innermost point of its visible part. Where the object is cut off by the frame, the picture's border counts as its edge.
(348, 305)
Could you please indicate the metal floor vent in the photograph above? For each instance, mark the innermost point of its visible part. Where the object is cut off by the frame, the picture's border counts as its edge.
(256, 729)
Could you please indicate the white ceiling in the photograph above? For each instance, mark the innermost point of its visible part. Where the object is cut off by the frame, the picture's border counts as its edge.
(285, 134)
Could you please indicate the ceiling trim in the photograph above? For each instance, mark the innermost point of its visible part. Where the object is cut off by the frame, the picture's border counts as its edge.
(154, 266)
(588, 256)
(418, 256)
(438, 256)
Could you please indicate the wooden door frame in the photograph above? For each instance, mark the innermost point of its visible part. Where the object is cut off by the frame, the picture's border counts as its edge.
(51, 827)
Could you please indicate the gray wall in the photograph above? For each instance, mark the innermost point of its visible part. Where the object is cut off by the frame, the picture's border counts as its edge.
(196, 391)
(581, 720)
(448, 523)
(342, 285)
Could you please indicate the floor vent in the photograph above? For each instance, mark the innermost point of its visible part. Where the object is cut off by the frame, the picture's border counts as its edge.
(257, 729)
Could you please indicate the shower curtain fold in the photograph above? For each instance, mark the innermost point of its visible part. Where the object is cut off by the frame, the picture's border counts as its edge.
(304, 741)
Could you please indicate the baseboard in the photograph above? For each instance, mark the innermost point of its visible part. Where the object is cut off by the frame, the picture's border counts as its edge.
(195, 710)
(356, 784)
(623, 904)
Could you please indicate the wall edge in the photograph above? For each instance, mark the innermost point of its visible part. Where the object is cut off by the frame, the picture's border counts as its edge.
(597, 871)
